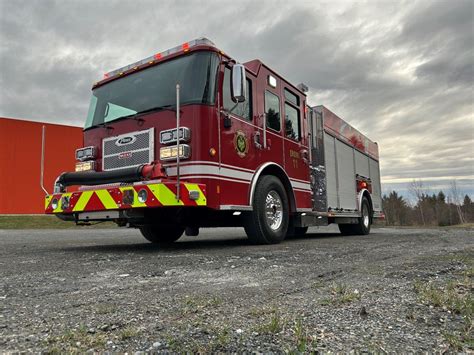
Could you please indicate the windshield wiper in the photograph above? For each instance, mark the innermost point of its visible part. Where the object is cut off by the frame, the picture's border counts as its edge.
(156, 108)
(159, 108)
(103, 125)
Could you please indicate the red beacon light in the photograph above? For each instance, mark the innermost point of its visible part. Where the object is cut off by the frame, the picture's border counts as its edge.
(362, 184)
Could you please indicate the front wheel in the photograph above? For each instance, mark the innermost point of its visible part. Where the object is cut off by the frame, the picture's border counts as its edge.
(268, 222)
(161, 235)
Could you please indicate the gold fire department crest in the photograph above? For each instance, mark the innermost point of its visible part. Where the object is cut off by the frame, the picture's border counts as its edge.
(241, 143)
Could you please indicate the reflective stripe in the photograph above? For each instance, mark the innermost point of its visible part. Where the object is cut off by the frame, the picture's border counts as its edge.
(300, 185)
(160, 194)
(165, 195)
(82, 201)
(106, 199)
(206, 169)
(201, 201)
(47, 201)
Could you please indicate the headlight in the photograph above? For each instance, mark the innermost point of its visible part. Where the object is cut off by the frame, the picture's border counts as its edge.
(85, 166)
(54, 203)
(171, 153)
(142, 196)
(86, 153)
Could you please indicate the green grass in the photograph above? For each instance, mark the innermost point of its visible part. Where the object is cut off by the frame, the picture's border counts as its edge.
(43, 222)
(75, 341)
(454, 296)
(272, 326)
(340, 294)
(302, 339)
(192, 304)
(128, 333)
(218, 338)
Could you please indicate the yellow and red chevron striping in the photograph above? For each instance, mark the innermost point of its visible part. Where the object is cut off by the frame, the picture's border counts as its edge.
(112, 198)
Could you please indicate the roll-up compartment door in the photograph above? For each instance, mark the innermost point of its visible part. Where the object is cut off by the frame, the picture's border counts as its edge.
(361, 164)
(331, 174)
(376, 189)
(346, 176)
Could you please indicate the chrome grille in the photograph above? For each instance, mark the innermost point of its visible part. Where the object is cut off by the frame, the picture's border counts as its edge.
(128, 150)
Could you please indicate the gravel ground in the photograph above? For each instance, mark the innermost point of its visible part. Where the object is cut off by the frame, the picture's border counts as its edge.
(80, 290)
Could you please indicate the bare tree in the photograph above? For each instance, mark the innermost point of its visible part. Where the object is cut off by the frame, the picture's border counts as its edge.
(416, 189)
(456, 196)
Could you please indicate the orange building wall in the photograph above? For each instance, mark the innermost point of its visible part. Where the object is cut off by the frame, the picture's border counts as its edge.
(20, 162)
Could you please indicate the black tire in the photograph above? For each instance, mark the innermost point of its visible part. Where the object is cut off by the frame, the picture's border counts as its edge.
(269, 220)
(161, 235)
(364, 222)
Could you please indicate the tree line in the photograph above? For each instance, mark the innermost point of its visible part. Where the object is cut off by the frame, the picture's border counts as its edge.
(428, 209)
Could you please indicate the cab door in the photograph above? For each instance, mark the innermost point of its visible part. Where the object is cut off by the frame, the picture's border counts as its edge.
(238, 155)
(296, 150)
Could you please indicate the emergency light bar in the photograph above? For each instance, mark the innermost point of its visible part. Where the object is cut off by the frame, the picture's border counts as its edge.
(150, 60)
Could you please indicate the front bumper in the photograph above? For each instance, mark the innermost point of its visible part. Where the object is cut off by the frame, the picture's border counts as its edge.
(117, 197)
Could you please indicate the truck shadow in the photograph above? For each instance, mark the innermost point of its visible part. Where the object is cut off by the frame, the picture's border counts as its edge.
(207, 243)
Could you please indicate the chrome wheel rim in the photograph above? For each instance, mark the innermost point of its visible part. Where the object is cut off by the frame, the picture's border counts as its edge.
(365, 217)
(273, 210)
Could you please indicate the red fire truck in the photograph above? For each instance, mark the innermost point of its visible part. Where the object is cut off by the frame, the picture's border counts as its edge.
(190, 138)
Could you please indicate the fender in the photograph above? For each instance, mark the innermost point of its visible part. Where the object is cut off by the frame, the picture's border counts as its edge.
(361, 195)
(286, 184)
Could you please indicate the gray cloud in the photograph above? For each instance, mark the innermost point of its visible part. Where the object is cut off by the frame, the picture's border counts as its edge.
(402, 72)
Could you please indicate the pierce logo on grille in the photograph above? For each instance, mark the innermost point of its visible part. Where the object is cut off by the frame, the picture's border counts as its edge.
(128, 150)
(125, 155)
(125, 140)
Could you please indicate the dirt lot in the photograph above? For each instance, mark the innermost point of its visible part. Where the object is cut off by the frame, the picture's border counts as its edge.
(394, 290)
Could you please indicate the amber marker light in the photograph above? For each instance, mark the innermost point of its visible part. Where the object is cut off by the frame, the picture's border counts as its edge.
(212, 152)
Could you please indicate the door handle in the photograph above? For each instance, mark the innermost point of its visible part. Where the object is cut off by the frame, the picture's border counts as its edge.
(256, 140)
(305, 155)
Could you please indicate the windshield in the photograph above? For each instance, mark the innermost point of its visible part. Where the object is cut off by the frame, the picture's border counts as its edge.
(155, 88)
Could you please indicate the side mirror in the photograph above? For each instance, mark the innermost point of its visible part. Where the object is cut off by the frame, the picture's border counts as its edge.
(238, 87)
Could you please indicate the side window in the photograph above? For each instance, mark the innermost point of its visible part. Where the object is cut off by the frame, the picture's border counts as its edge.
(292, 98)
(292, 122)
(292, 116)
(272, 111)
(242, 109)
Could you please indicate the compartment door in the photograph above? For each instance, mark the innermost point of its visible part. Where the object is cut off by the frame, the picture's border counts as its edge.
(318, 168)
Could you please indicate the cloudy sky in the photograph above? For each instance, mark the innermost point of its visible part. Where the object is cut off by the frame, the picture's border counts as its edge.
(400, 71)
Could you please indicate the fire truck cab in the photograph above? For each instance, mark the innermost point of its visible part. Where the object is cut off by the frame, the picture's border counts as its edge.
(190, 138)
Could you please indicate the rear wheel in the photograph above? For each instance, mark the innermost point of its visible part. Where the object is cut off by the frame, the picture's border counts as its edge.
(161, 234)
(363, 225)
(269, 219)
